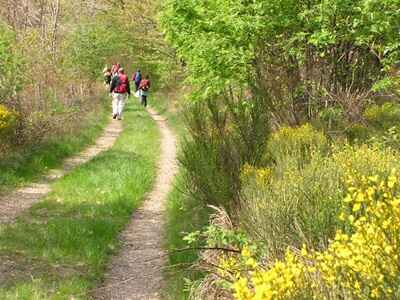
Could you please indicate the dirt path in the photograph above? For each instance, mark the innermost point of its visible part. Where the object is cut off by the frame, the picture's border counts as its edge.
(14, 203)
(135, 273)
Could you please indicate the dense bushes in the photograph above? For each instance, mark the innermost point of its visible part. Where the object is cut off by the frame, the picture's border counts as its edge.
(285, 207)
(304, 57)
(297, 144)
(224, 135)
(300, 204)
(384, 116)
(360, 264)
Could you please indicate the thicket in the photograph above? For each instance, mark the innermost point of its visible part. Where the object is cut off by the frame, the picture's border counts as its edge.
(323, 78)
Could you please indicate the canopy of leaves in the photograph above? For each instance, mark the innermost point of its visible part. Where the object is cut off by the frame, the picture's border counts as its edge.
(220, 39)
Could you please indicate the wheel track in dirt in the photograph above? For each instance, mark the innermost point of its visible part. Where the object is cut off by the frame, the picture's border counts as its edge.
(15, 203)
(136, 271)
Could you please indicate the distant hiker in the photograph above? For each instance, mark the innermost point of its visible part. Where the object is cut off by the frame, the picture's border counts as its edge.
(119, 89)
(107, 75)
(137, 78)
(144, 90)
(114, 69)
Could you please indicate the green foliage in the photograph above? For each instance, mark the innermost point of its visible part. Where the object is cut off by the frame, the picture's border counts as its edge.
(384, 116)
(299, 55)
(215, 38)
(224, 135)
(357, 133)
(11, 78)
(91, 46)
(331, 119)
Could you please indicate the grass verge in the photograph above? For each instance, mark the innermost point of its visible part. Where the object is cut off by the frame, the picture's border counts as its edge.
(183, 214)
(170, 109)
(60, 247)
(27, 165)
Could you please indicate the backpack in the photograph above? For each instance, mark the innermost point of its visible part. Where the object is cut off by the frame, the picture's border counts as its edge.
(145, 85)
(138, 77)
(122, 84)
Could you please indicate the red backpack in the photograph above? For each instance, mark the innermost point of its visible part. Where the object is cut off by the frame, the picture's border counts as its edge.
(122, 86)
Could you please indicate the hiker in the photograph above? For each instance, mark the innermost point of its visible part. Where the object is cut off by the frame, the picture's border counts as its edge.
(119, 89)
(137, 78)
(107, 75)
(114, 69)
(144, 90)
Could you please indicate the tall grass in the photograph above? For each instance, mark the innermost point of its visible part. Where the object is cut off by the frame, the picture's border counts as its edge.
(184, 215)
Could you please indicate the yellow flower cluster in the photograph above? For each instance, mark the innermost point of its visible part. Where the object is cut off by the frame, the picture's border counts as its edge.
(305, 139)
(362, 263)
(351, 160)
(262, 175)
(7, 119)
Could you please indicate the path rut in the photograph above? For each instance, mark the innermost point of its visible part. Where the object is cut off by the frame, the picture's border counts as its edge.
(15, 203)
(136, 271)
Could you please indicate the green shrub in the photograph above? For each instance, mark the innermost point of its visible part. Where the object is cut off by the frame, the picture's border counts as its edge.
(298, 144)
(332, 118)
(224, 135)
(358, 133)
(297, 206)
(382, 117)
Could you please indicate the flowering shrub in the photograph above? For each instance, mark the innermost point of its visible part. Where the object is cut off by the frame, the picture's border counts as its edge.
(361, 263)
(300, 143)
(7, 120)
(261, 176)
(365, 159)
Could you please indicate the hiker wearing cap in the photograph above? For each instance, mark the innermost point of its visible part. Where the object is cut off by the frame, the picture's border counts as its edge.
(120, 89)
(137, 78)
(144, 90)
(107, 75)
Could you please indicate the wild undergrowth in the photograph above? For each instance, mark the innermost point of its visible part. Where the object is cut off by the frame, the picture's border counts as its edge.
(25, 165)
(260, 71)
(329, 199)
(61, 246)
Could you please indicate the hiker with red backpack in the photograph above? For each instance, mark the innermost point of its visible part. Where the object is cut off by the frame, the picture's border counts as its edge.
(144, 90)
(114, 69)
(120, 89)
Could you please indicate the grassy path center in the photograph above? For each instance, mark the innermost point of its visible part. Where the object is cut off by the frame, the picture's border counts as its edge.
(136, 272)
